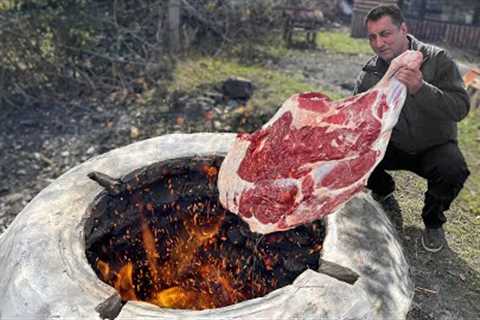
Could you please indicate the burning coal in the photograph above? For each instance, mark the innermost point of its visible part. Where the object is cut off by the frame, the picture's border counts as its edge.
(169, 242)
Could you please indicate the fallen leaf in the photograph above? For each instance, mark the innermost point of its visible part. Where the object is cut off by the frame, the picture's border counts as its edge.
(134, 132)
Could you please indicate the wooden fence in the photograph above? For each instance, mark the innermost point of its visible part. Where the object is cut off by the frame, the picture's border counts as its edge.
(461, 36)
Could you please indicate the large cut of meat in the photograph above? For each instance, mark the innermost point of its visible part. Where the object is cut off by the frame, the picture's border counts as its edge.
(313, 155)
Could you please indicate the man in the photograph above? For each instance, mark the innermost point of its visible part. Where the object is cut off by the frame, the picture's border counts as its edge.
(424, 140)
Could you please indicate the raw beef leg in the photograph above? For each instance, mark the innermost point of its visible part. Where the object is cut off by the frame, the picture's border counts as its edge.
(313, 155)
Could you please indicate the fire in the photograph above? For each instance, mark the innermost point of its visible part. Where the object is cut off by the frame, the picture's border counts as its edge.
(211, 172)
(179, 298)
(195, 237)
(104, 269)
(189, 254)
(150, 250)
(174, 297)
(182, 280)
(171, 280)
(121, 280)
(182, 261)
(124, 282)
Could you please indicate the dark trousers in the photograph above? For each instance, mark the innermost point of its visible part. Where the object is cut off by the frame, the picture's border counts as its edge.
(444, 168)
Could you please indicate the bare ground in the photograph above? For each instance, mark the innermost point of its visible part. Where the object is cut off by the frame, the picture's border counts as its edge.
(40, 143)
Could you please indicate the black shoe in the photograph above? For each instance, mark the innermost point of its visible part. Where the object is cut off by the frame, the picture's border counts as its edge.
(433, 240)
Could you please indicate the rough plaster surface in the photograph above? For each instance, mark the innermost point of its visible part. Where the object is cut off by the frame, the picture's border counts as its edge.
(45, 273)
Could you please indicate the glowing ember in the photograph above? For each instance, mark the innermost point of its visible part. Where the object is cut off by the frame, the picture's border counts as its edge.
(173, 245)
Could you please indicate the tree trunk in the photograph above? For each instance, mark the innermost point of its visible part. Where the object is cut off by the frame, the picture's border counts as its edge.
(173, 25)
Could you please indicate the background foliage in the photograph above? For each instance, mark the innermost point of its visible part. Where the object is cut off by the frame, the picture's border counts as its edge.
(73, 50)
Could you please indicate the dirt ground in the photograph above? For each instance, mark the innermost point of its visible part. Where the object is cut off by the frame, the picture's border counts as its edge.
(40, 143)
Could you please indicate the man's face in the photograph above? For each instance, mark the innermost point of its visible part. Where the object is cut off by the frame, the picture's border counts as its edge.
(386, 39)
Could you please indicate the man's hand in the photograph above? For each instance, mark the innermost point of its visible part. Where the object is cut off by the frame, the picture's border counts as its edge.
(412, 78)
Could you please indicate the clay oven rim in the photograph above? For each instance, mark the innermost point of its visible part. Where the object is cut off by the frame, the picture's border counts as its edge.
(79, 192)
(149, 174)
(49, 275)
(142, 178)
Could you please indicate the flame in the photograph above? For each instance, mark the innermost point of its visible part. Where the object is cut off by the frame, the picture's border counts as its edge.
(174, 297)
(182, 256)
(124, 282)
(187, 245)
(171, 287)
(181, 261)
(150, 249)
(121, 280)
(104, 269)
(179, 265)
(179, 298)
(211, 172)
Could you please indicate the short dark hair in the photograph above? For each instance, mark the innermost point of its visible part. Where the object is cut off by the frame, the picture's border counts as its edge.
(393, 11)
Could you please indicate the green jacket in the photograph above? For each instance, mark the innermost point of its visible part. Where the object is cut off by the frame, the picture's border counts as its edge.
(430, 116)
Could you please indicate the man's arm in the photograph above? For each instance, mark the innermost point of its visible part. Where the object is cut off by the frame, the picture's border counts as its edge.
(359, 86)
(448, 99)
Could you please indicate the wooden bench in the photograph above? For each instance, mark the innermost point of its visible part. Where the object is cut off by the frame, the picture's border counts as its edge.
(302, 19)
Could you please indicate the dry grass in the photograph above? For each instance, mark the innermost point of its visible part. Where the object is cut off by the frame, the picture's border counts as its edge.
(464, 215)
